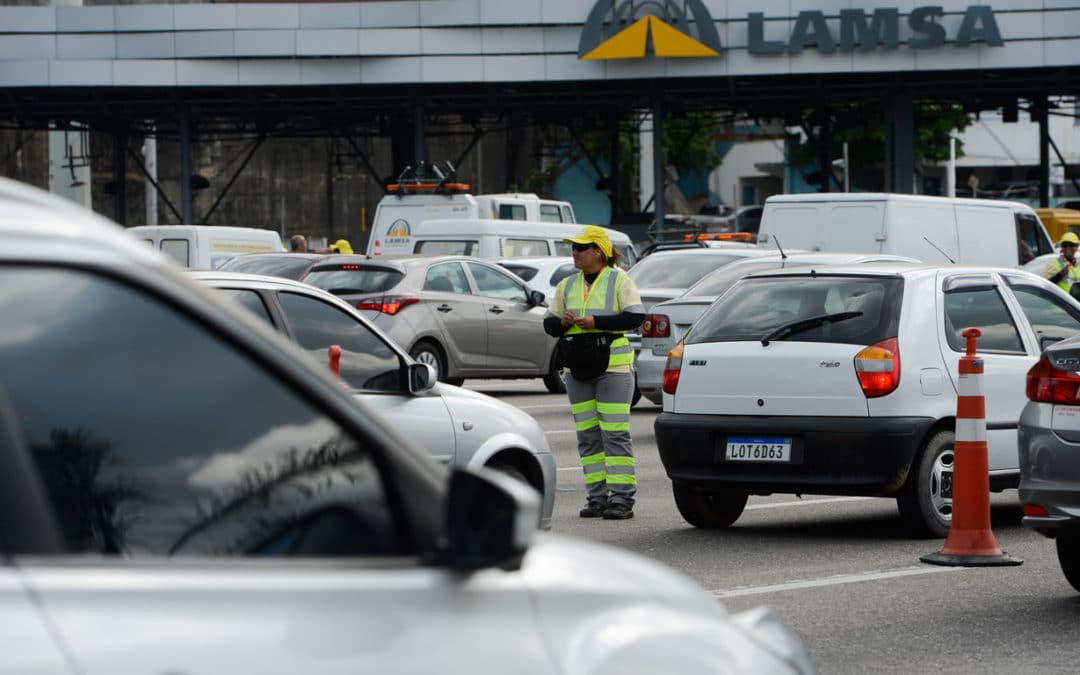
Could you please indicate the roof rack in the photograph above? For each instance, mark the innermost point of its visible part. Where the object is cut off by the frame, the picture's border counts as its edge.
(414, 181)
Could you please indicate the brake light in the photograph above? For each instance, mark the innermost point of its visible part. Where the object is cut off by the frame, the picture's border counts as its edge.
(1035, 510)
(349, 267)
(1047, 384)
(656, 326)
(390, 304)
(878, 368)
(672, 368)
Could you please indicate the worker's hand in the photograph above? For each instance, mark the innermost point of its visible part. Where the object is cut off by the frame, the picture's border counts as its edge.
(586, 322)
(569, 318)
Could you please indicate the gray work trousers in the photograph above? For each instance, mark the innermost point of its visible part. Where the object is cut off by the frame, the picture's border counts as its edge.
(601, 409)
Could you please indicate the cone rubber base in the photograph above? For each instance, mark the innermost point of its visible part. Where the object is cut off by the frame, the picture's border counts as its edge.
(952, 560)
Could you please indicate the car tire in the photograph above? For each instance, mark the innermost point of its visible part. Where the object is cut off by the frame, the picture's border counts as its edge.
(925, 501)
(708, 509)
(554, 379)
(636, 396)
(429, 353)
(1068, 552)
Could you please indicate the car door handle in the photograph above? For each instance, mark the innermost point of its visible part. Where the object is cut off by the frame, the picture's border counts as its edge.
(496, 310)
(445, 308)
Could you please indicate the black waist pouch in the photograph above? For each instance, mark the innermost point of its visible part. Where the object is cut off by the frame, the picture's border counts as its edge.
(586, 354)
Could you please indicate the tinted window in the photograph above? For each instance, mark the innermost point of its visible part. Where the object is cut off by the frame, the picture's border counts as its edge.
(549, 213)
(756, 307)
(561, 272)
(250, 300)
(1050, 317)
(153, 435)
(447, 247)
(1032, 242)
(567, 215)
(523, 271)
(675, 271)
(177, 249)
(493, 283)
(287, 266)
(511, 212)
(984, 309)
(525, 247)
(367, 362)
(447, 278)
(352, 278)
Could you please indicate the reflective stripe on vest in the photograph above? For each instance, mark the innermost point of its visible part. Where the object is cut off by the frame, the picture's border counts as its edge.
(601, 300)
(1072, 277)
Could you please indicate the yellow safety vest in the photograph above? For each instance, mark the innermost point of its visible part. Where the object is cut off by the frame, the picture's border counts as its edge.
(1072, 277)
(602, 299)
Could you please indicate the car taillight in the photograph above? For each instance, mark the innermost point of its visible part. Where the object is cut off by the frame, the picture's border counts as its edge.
(878, 368)
(390, 304)
(656, 326)
(1047, 384)
(1035, 510)
(672, 368)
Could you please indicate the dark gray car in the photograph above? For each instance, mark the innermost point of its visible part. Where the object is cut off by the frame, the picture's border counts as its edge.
(1049, 448)
(465, 317)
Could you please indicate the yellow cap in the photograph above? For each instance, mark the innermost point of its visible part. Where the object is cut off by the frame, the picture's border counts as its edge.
(341, 246)
(593, 235)
(1070, 238)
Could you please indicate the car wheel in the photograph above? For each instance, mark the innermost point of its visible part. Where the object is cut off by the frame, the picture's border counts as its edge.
(925, 501)
(1068, 550)
(636, 397)
(554, 378)
(427, 352)
(708, 509)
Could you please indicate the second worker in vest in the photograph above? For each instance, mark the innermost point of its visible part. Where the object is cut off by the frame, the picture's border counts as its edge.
(1062, 269)
(590, 312)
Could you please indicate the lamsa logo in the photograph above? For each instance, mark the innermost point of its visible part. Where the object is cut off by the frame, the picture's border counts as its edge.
(399, 232)
(631, 29)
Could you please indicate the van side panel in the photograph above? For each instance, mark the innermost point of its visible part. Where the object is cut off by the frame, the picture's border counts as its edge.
(989, 235)
(854, 227)
(912, 223)
(793, 226)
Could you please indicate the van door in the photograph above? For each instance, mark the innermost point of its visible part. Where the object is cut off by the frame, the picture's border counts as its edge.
(1032, 237)
(922, 229)
(852, 227)
(179, 247)
(460, 315)
(792, 225)
(987, 235)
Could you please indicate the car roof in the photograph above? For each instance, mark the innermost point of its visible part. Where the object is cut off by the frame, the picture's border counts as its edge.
(537, 259)
(709, 250)
(892, 268)
(250, 280)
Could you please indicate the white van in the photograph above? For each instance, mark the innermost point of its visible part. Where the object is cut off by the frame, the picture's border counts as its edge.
(487, 238)
(930, 229)
(205, 247)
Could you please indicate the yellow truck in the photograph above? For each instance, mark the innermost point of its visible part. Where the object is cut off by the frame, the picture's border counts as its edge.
(1059, 221)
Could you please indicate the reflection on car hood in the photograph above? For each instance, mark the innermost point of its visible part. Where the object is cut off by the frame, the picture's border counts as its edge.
(490, 416)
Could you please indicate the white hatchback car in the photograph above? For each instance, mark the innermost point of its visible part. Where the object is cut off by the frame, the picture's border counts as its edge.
(183, 491)
(541, 273)
(843, 381)
(457, 426)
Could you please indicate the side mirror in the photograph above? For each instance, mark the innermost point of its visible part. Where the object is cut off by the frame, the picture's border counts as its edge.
(421, 378)
(490, 520)
(537, 299)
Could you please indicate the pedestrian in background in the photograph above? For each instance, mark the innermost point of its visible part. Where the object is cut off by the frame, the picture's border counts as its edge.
(1062, 269)
(298, 244)
(590, 313)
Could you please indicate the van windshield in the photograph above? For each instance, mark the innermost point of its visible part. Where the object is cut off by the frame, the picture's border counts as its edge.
(347, 279)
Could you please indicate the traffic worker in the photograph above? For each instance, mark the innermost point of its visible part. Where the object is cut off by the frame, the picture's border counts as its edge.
(590, 312)
(1062, 270)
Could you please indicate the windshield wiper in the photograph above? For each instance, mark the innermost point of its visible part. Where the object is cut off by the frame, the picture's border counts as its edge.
(806, 324)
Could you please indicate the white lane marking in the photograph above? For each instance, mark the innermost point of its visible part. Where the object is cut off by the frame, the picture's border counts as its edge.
(560, 431)
(561, 406)
(569, 468)
(833, 581)
(807, 502)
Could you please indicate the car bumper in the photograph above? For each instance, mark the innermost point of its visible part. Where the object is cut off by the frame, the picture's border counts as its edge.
(650, 376)
(1049, 472)
(830, 455)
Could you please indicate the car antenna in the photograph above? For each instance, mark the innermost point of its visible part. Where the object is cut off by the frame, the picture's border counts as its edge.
(783, 256)
(939, 250)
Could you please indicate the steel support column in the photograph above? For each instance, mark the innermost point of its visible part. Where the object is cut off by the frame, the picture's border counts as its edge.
(1040, 115)
(120, 176)
(418, 133)
(900, 144)
(659, 172)
(186, 200)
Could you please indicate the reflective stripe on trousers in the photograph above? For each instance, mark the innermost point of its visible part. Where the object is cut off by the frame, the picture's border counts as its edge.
(601, 409)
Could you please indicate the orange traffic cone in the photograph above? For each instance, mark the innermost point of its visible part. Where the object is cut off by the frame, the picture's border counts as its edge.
(970, 543)
(334, 353)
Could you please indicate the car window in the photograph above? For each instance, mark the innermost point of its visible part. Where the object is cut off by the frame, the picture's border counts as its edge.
(287, 266)
(250, 300)
(511, 212)
(1051, 318)
(758, 306)
(493, 283)
(561, 272)
(447, 278)
(549, 213)
(717, 282)
(177, 249)
(524, 271)
(675, 271)
(564, 248)
(350, 278)
(984, 309)
(567, 215)
(520, 248)
(462, 247)
(1030, 237)
(367, 362)
(154, 435)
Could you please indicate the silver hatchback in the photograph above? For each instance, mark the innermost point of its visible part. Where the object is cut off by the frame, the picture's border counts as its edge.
(465, 317)
(1049, 449)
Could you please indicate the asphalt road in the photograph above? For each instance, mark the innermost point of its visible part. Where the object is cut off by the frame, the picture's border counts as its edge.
(840, 572)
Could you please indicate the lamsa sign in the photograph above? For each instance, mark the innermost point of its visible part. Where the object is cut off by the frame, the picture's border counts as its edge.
(633, 29)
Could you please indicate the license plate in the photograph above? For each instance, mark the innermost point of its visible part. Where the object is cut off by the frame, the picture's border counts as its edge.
(753, 449)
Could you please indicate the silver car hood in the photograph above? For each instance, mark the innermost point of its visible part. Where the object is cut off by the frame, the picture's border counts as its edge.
(487, 418)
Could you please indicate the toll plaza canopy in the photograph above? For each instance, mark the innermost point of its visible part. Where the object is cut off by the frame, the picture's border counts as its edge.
(308, 65)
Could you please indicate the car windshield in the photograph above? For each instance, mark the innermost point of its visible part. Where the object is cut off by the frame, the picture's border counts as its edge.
(866, 310)
(288, 266)
(676, 271)
(718, 281)
(350, 278)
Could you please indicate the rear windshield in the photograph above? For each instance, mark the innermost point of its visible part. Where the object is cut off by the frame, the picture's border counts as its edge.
(523, 271)
(676, 271)
(349, 278)
(756, 307)
(288, 266)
